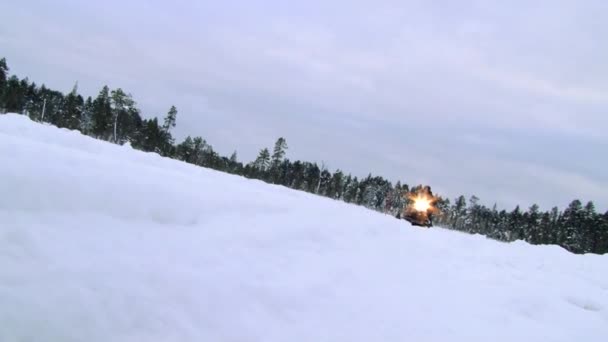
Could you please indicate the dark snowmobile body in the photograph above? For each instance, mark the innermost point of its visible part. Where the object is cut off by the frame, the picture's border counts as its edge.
(421, 218)
(417, 218)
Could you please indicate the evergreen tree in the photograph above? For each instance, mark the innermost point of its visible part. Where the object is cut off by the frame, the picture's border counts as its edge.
(473, 213)
(544, 229)
(588, 228)
(280, 147)
(336, 185)
(278, 154)
(72, 115)
(102, 115)
(383, 187)
(54, 102)
(324, 183)
(123, 109)
(3, 79)
(202, 152)
(350, 192)
(501, 230)
(170, 119)
(312, 178)
(397, 201)
(33, 101)
(345, 185)
(296, 175)
(554, 233)
(86, 121)
(514, 227)
(459, 211)
(601, 242)
(185, 150)
(262, 162)
(283, 173)
(572, 239)
(14, 95)
(3, 83)
(532, 231)
(368, 191)
(445, 211)
(151, 138)
(234, 166)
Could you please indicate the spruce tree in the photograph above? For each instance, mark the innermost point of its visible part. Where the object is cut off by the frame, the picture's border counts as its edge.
(368, 198)
(33, 101)
(102, 115)
(350, 192)
(86, 122)
(280, 147)
(122, 106)
(297, 175)
(3, 80)
(14, 95)
(312, 177)
(283, 172)
(572, 237)
(515, 224)
(278, 154)
(336, 185)
(324, 183)
(72, 114)
(532, 231)
(345, 185)
(588, 228)
(601, 244)
(544, 229)
(445, 211)
(233, 164)
(554, 233)
(471, 222)
(459, 212)
(150, 138)
(185, 150)
(201, 152)
(262, 162)
(170, 119)
(501, 230)
(54, 108)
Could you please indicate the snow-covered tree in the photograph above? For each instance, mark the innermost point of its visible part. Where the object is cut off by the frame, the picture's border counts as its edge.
(262, 162)
(102, 114)
(170, 119)
(73, 108)
(121, 105)
(572, 237)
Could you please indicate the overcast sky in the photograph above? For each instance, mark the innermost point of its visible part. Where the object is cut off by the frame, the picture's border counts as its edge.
(507, 100)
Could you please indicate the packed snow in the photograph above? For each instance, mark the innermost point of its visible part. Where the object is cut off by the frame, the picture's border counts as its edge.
(100, 242)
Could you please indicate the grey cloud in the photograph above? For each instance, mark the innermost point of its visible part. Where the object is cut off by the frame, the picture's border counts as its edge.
(503, 100)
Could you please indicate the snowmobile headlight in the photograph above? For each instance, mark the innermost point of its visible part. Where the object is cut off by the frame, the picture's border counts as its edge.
(422, 204)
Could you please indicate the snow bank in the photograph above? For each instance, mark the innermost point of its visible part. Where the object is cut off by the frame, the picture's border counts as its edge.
(100, 242)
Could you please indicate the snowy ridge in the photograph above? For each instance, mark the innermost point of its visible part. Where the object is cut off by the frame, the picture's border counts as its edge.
(100, 242)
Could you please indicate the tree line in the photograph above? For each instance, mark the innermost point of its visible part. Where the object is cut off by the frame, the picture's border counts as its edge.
(113, 116)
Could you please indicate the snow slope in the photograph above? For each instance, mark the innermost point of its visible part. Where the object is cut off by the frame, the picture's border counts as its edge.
(99, 242)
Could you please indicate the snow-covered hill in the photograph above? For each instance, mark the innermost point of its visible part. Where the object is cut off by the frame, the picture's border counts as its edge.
(100, 242)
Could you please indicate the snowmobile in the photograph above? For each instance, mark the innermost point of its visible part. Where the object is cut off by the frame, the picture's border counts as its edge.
(420, 208)
(418, 218)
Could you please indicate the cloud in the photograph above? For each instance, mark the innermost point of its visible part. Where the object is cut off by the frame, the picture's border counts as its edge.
(493, 99)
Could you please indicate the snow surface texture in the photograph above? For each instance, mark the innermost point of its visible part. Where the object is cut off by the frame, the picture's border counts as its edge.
(100, 242)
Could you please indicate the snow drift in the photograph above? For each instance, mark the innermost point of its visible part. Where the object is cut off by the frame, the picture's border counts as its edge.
(100, 242)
